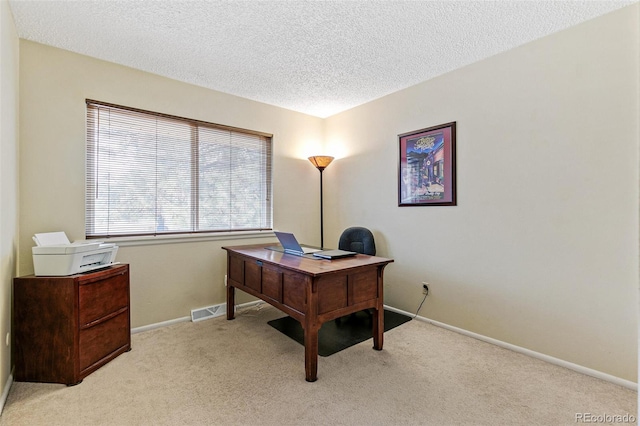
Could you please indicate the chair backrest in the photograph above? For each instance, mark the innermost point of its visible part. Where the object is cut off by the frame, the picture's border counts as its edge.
(357, 239)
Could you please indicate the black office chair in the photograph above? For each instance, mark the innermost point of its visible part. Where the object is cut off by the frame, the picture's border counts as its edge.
(357, 239)
(360, 240)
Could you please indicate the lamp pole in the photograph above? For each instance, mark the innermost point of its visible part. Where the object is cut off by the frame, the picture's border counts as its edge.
(321, 162)
(321, 210)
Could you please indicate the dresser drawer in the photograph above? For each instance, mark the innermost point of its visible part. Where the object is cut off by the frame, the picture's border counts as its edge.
(100, 298)
(100, 340)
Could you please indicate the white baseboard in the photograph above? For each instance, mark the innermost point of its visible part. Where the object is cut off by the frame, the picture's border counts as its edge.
(183, 319)
(5, 392)
(552, 360)
(159, 325)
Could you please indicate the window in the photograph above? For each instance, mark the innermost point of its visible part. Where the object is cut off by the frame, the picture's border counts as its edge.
(150, 174)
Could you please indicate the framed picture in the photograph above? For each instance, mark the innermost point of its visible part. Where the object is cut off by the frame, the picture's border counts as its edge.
(427, 169)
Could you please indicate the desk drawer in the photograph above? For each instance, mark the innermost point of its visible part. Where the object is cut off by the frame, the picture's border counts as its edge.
(363, 286)
(294, 288)
(272, 283)
(236, 269)
(253, 275)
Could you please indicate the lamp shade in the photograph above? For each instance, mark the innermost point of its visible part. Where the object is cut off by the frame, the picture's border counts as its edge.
(321, 161)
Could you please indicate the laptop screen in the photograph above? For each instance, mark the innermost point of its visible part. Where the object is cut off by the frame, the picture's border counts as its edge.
(291, 245)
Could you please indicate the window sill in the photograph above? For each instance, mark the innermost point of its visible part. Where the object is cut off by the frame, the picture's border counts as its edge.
(187, 238)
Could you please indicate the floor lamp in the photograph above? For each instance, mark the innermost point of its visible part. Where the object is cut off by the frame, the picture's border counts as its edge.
(321, 162)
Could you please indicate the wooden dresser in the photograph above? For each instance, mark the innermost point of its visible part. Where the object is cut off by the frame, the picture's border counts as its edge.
(65, 328)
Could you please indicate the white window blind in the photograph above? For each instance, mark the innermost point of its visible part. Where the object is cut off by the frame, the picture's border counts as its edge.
(149, 173)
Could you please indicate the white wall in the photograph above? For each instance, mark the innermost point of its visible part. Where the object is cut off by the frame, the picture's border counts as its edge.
(8, 179)
(167, 280)
(542, 249)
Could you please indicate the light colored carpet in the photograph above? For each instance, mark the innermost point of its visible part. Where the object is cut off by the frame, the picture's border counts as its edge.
(244, 372)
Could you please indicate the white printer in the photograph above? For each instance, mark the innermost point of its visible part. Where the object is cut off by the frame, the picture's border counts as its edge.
(54, 255)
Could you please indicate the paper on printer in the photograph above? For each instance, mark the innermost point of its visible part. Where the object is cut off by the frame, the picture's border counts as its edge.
(54, 255)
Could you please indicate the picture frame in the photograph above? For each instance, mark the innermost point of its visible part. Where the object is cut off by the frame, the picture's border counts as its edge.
(427, 166)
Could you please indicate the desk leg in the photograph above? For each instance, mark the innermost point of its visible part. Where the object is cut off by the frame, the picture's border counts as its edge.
(378, 314)
(311, 353)
(231, 301)
(311, 328)
(378, 328)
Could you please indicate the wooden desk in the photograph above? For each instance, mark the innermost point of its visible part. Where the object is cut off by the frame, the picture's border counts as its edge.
(312, 291)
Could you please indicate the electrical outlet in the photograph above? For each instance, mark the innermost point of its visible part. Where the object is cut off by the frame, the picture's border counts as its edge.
(425, 288)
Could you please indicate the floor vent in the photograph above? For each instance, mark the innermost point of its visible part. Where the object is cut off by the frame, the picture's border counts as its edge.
(208, 312)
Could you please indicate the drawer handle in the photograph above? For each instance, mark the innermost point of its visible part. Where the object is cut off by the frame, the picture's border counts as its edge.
(258, 262)
(104, 318)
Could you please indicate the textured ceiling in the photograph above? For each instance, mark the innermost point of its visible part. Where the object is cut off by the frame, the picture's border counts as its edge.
(316, 57)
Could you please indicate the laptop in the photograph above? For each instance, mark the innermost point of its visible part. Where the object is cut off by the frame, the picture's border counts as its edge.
(291, 246)
(334, 254)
